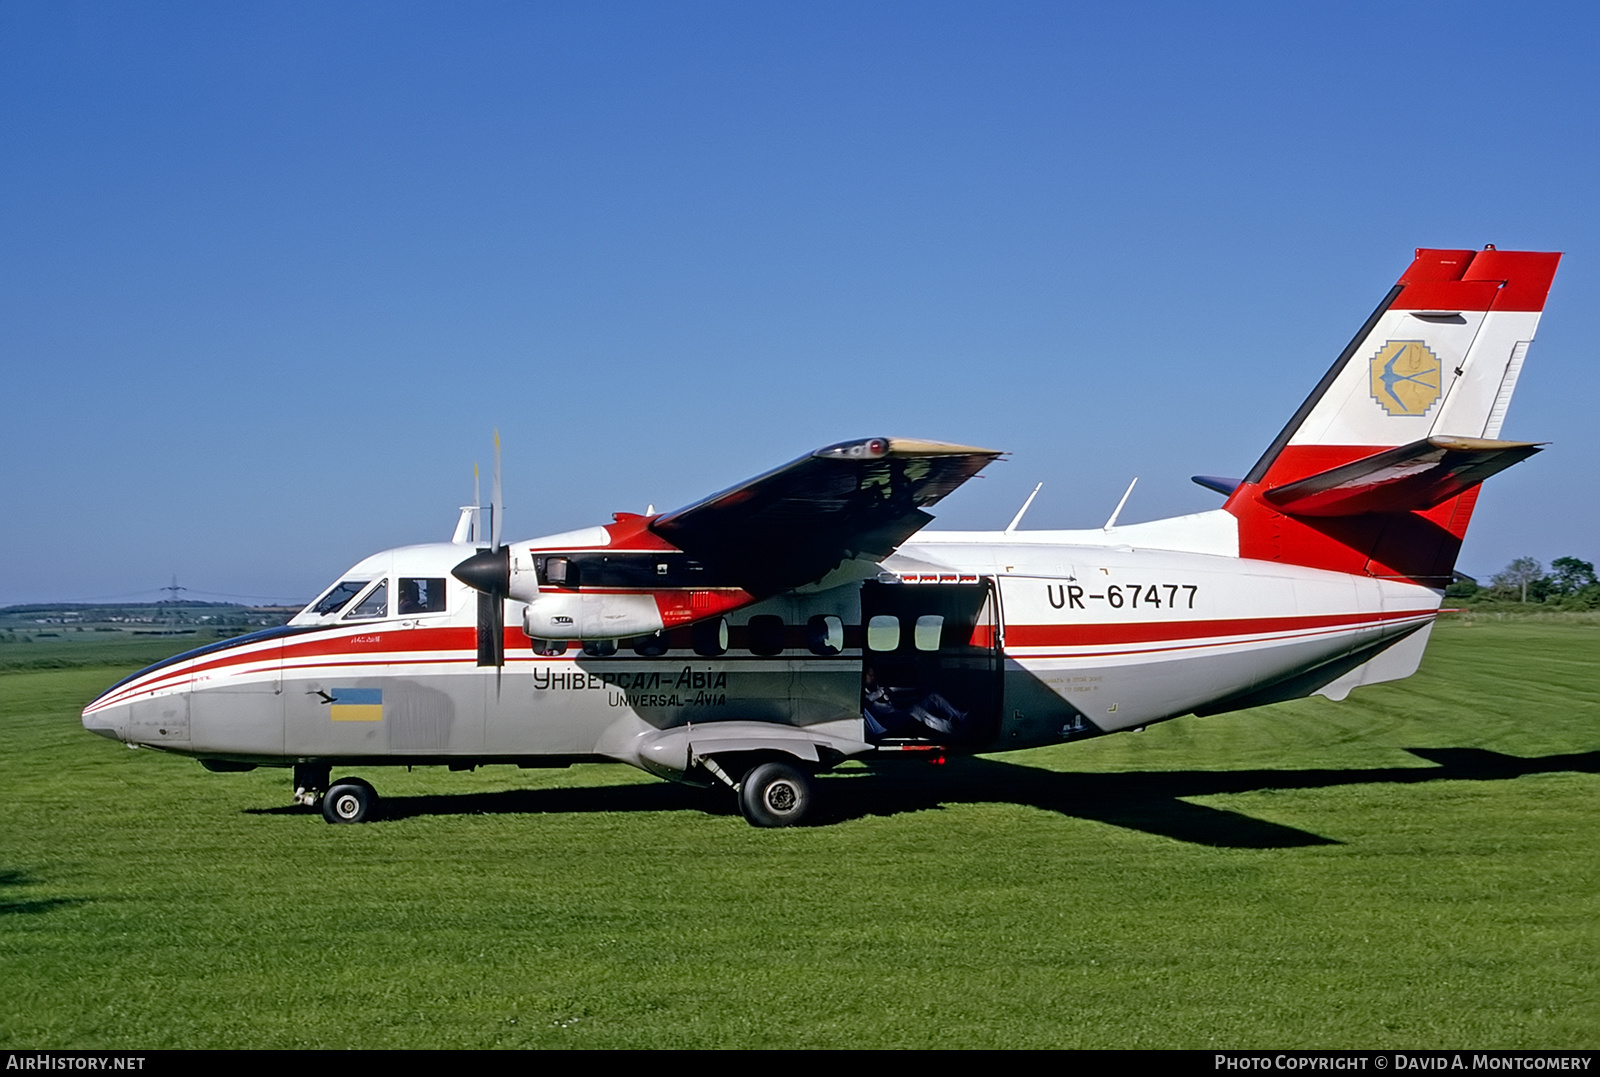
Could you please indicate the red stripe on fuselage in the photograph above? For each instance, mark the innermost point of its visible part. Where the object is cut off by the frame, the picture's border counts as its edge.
(388, 641)
(405, 646)
(1103, 634)
(384, 642)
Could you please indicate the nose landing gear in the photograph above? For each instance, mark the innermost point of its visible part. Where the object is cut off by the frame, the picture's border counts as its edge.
(349, 800)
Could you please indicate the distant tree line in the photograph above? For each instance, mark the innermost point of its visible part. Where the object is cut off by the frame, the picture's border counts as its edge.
(1569, 584)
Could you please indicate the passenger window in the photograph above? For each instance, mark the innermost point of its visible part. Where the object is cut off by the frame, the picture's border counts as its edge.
(765, 634)
(710, 637)
(599, 648)
(376, 604)
(925, 637)
(425, 595)
(883, 633)
(825, 634)
(334, 600)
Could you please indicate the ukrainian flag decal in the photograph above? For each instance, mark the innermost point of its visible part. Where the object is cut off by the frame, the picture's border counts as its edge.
(356, 705)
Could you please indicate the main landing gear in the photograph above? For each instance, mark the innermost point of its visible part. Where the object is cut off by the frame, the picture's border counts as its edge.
(770, 794)
(348, 800)
(775, 794)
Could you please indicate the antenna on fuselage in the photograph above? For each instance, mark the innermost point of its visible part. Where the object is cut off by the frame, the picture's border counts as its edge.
(470, 525)
(1118, 510)
(1017, 519)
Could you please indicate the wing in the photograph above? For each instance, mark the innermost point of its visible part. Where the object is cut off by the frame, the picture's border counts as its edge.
(796, 523)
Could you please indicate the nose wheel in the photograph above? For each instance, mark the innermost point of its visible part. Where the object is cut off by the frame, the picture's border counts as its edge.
(349, 800)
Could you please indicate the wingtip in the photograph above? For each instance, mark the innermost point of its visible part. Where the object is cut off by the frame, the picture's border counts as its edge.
(1222, 485)
(921, 447)
(877, 448)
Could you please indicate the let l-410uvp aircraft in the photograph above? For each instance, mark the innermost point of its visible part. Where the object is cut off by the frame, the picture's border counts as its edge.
(804, 617)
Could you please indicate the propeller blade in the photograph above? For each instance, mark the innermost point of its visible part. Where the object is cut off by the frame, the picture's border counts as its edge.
(488, 572)
(497, 507)
(477, 506)
(491, 630)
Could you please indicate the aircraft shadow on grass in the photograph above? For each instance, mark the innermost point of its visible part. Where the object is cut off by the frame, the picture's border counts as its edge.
(11, 878)
(1149, 801)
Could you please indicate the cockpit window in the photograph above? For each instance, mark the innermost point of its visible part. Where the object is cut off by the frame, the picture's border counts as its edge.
(376, 604)
(424, 595)
(334, 600)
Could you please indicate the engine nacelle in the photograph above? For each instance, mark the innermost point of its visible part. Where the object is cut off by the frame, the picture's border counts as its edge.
(590, 616)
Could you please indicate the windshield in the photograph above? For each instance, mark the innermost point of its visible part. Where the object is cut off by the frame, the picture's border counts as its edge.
(376, 604)
(334, 600)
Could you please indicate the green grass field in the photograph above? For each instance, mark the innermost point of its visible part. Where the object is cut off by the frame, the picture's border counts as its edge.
(1417, 867)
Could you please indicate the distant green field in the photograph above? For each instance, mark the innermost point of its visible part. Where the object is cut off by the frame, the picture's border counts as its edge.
(75, 651)
(1417, 867)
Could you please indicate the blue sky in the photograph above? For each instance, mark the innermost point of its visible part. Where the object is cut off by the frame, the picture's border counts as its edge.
(271, 274)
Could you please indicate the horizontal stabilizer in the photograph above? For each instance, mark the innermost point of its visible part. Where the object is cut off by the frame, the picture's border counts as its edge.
(1216, 482)
(1410, 478)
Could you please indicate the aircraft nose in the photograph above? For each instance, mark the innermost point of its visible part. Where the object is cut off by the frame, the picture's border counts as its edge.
(109, 722)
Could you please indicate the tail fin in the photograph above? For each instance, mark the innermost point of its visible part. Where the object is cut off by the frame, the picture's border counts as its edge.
(1377, 471)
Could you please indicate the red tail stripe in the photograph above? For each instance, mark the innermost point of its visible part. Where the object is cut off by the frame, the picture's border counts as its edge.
(1481, 280)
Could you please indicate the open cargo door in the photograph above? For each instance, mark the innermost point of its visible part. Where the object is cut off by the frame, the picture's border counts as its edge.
(931, 663)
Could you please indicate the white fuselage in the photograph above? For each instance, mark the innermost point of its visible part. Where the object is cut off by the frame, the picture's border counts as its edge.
(1090, 632)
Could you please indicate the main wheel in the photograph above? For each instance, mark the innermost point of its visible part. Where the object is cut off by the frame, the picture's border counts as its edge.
(349, 800)
(774, 794)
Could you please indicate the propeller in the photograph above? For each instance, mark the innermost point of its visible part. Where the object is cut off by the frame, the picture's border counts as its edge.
(489, 573)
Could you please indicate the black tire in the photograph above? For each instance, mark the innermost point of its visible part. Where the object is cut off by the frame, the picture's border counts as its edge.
(349, 800)
(775, 794)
